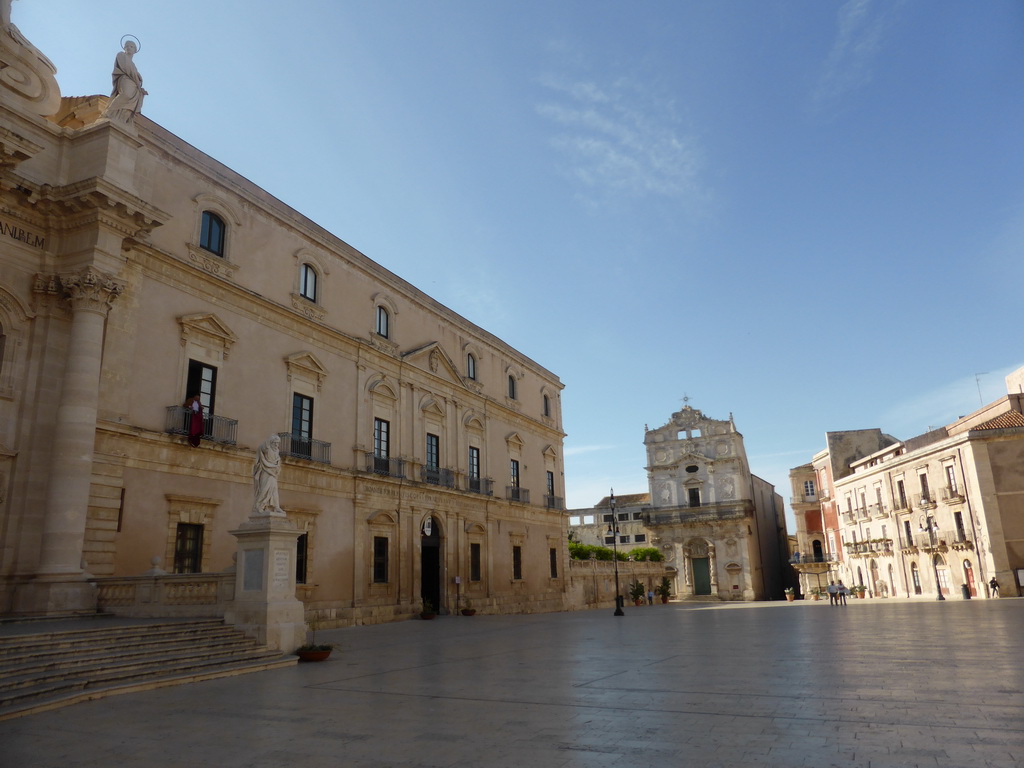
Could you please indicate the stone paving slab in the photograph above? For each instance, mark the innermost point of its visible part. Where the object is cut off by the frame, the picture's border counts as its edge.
(878, 684)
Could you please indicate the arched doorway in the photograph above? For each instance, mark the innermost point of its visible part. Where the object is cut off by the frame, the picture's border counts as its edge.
(969, 578)
(915, 577)
(819, 555)
(430, 563)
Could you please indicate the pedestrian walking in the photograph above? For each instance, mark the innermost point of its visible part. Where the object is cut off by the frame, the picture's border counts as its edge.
(650, 597)
(833, 593)
(994, 586)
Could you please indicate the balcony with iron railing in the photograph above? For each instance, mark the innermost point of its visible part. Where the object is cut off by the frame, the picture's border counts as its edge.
(307, 448)
(482, 485)
(553, 502)
(517, 493)
(878, 510)
(438, 476)
(924, 500)
(951, 495)
(849, 518)
(385, 466)
(863, 513)
(870, 547)
(810, 559)
(216, 429)
(943, 539)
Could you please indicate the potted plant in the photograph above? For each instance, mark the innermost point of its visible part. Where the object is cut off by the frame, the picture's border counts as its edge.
(637, 592)
(815, 593)
(859, 591)
(664, 589)
(790, 594)
(468, 609)
(313, 651)
(428, 612)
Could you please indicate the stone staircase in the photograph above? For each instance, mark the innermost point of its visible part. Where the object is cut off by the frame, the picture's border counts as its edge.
(41, 670)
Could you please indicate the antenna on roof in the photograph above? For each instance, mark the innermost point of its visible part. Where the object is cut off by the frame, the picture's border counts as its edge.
(977, 380)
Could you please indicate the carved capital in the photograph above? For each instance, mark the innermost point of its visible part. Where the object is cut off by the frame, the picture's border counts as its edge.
(89, 290)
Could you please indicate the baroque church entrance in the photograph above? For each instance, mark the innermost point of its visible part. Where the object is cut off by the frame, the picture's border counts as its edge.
(430, 564)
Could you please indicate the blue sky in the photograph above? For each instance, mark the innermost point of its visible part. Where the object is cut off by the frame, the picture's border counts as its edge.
(809, 214)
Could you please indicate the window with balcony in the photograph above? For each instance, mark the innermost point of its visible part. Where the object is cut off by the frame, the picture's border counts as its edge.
(302, 426)
(951, 479)
(433, 451)
(202, 381)
(925, 494)
(381, 446)
(514, 473)
(901, 494)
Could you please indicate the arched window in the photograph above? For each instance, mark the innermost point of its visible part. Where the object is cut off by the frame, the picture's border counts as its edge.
(471, 366)
(307, 282)
(512, 386)
(547, 405)
(383, 322)
(211, 236)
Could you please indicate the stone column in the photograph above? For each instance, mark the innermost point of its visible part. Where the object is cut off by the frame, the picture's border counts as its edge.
(60, 584)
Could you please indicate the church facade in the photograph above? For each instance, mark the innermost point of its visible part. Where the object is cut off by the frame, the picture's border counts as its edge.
(161, 317)
(720, 528)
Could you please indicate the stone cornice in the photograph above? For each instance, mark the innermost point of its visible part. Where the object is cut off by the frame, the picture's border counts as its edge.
(15, 149)
(97, 200)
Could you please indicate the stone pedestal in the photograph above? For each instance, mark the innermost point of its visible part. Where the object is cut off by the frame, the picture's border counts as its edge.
(55, 595)
(265, 606)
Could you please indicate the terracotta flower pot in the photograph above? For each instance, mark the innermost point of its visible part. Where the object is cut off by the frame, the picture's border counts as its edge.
(313, 655)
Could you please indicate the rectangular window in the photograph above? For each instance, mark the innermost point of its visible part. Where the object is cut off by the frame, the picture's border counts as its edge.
(380, 559)
(553, 562)
(301, 554)
(302, 425)
(202, 381)
(951, 478)
(188, 548)
(925, 496)
(624, 539)
(608, 518)
(901, 493)
(809, 489)
(694, 496)
(638, 515)
(907, 533)
(551, 483)
(623, 516)
(640, 538)
(381, 438)
(474, 462)
(517, 563)
(514, 473)
(433, 451)
(474, 562)
(609, 540)
(383, 324)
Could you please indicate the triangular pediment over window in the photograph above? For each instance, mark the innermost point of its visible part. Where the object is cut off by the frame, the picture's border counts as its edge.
(206, 329)
(306, 366)
(432, 357)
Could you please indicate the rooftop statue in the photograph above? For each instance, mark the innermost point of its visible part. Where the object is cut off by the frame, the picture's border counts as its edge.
(127, 94)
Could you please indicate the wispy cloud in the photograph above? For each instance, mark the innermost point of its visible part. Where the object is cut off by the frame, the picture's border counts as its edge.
(581, 449)
(862, 26)
(618, 139)
(945, 403)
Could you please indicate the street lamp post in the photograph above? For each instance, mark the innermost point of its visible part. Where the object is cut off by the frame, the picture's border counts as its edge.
(933, 538)
(613, 531)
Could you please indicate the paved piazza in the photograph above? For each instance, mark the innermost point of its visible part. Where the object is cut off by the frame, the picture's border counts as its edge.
(879, 683)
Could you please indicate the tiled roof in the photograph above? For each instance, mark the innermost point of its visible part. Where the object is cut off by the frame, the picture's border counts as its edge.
(1004, 421)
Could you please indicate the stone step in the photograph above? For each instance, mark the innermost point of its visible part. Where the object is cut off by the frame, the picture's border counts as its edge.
(45, 670)
(43, 698)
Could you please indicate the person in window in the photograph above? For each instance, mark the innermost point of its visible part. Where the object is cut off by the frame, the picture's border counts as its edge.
(195, 420)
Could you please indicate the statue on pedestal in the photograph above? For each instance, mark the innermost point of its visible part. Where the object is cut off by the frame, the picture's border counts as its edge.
(264, 479)
(127, 94)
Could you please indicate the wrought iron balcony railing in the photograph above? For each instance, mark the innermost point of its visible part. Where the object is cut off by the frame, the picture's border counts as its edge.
(826, 557)
(481, 485)
(951, 495)
(384, 465)
(438, 476)
(517, 493)
(305, 448)
(806, 498)
(215, 428)
(553, 502)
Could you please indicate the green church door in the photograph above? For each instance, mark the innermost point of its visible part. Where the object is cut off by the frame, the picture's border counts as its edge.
(701, 575)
